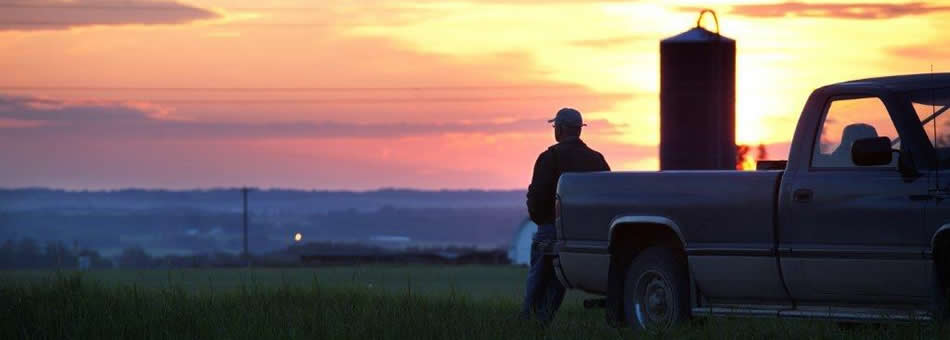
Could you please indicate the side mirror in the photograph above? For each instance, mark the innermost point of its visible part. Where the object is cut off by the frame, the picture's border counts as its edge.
(871, 151)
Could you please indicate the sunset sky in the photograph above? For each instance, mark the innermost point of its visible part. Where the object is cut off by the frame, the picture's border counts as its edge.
(364, 94)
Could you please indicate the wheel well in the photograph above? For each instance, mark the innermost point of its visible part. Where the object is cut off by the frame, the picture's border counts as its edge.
(632, 238)
(629, 239)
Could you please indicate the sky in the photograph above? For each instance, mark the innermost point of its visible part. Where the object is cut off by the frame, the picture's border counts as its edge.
(428, 94)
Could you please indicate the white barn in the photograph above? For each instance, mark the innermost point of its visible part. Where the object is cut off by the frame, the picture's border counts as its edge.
(520, 250)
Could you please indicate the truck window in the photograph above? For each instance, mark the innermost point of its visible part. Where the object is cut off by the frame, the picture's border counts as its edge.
(931, 106)
(846, 121)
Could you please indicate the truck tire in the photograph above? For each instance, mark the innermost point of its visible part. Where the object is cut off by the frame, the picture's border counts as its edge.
(940, 303)
(656, 290)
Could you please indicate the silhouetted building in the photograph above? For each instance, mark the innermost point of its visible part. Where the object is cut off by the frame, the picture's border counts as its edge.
(697, 101)
(519, 252)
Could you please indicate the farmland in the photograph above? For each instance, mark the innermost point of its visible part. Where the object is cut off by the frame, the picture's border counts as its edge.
(392, 302)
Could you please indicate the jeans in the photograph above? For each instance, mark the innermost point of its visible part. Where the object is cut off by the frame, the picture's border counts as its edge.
(543, 292)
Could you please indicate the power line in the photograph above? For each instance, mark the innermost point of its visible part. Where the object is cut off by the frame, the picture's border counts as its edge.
(246, 254)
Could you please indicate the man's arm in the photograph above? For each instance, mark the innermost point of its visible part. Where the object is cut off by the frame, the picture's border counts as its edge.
(540, 194)
(606, 166)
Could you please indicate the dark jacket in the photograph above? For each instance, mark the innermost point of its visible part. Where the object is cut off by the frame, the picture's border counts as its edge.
(567, 156)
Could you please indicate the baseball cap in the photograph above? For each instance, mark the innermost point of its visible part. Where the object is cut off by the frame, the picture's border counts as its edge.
(568, 117)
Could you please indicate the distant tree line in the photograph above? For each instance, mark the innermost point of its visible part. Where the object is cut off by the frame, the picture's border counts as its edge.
(28, 254)
(192, 230)
(337, 253)
(137, 257)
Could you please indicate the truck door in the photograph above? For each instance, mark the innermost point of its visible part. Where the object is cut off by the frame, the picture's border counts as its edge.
(931, 106)
(848, 232)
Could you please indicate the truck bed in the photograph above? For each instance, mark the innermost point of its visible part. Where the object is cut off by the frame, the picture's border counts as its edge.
(711, 206)
(715, 211)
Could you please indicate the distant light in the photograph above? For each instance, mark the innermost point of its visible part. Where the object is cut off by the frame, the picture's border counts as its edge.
(298, 237)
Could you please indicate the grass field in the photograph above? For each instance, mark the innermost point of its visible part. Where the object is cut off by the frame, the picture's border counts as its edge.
(402, 302)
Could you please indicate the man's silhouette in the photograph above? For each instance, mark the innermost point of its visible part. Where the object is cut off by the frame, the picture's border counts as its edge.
(544, 292)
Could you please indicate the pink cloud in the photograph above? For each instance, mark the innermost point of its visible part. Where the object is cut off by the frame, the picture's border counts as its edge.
(55, 15)
(146, 120)
(6, 123)
(83, 145)
(473, 160)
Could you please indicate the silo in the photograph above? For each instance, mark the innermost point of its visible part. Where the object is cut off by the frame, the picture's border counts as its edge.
(697, 100)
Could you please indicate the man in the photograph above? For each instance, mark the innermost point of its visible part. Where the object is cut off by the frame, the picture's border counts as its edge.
(544, 293)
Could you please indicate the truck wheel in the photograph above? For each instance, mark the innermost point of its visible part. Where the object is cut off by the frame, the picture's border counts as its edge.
(656, 294)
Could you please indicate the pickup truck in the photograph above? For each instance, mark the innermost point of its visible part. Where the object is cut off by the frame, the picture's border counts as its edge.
(856, 226)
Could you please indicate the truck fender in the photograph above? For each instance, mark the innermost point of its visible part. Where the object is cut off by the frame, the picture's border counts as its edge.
(617, 269)
(941, 303)
(933, 240)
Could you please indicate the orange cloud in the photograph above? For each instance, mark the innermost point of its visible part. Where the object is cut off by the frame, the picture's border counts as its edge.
(863, 11)
(934, 52)
(613, 42)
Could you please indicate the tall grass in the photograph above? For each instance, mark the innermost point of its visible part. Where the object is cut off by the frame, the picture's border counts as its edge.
(69, 306)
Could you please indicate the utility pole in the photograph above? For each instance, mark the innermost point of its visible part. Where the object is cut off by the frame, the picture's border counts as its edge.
(247, 255)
